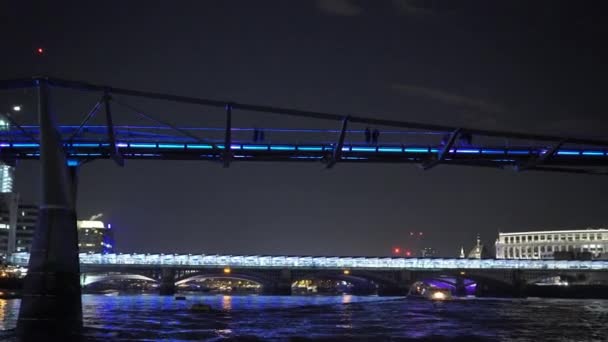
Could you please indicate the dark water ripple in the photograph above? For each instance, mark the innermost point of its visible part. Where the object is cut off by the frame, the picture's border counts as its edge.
(325, 318)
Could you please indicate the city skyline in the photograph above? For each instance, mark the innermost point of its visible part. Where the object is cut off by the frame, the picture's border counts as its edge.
(321, 57)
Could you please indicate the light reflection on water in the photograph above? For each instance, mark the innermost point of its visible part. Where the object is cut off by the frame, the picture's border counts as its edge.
(151, 317)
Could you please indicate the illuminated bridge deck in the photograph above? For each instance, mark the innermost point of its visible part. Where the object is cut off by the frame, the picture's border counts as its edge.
(326, 262)
(171, 150)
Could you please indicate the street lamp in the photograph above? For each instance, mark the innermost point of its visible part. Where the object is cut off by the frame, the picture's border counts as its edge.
(16, 108)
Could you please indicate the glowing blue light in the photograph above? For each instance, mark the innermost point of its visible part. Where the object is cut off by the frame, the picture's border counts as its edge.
(568, 153)
(199, 146)
(255, 147)
(235, 147)
(593, 153)
(25, 145)
(310, 148)
(416, 150)
(467, 151)
(85, 145)
(492, 151)
(355, 158)
(434, 150)
(520, 152)
(135, 145)
(179, 146)
(363, 149)
(5, 145)
(72, 162)
(282, 148)
(122, 145)
(305, 157)
(345, 148)
(390, 149)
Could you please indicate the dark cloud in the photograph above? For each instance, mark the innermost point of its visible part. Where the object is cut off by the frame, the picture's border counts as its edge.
(450, 99)
(339, 7)
(411, 7)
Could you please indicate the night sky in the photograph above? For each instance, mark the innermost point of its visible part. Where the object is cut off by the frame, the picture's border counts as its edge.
(533, 66)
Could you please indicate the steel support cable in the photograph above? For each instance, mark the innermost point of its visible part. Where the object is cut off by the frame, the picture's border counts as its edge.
(16, 124)
(89, 116)
(83, 86)
(163, 123)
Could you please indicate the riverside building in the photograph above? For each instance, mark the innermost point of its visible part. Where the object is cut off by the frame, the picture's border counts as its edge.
(548, 244)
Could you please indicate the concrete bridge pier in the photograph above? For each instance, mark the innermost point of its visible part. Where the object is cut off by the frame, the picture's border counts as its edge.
(459, 288)
(167, 282)
(281, 286)
(51, 307)
(400, 287)
(519, 284)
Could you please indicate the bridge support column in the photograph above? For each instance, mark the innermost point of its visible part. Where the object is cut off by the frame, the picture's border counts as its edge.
(51, 307)
(281, 287)
(519, 284)
(167, 282)
(401, 287)
(459, 288)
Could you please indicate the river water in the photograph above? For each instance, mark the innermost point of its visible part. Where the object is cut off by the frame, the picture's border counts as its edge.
(328, 318)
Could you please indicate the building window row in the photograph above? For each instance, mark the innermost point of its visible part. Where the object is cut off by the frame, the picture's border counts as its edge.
(552, 237)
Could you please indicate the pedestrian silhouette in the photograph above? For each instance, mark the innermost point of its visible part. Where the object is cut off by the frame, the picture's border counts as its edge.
(375, 136)
(368, 135)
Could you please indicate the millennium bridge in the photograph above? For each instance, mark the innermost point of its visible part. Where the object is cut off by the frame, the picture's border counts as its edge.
(51, 304)
(382, 275)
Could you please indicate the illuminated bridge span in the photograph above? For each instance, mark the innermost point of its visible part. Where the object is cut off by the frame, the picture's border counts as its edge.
(323, 262)
(176, 149)
(382, 275)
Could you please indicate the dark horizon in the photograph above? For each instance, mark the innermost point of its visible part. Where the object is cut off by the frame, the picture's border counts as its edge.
(505, 66)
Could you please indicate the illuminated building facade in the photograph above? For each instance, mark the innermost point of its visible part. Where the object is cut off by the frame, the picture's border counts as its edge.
(17, 225)
(95, 237)
(543, 244)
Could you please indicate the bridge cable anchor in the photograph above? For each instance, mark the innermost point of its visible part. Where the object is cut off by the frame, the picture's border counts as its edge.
(441, 155)
(227, 154)
(337, 153)
(114, 152)
(543, 158)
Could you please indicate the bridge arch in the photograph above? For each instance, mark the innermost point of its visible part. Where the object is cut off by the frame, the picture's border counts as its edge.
(264, 280)
(87, 279)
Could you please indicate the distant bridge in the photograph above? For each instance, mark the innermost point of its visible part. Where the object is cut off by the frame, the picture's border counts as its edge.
(386, 275)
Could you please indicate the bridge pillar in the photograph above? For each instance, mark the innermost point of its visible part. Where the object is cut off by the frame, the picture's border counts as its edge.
(401, 287)
(519, 283)
(167, 282)
(459, 288)
(281, 286)
(51, 307)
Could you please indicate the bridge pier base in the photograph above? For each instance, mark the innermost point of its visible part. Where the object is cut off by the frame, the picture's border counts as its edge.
(460, 289)
(281, 287)
(51, 308)
(167, 282)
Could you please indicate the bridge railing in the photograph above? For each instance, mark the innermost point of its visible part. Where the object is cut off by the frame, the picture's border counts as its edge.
(256, 261)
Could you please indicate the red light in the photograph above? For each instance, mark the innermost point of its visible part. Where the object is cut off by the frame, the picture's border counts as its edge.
(397, 250)
(408, 253)
(40, 51)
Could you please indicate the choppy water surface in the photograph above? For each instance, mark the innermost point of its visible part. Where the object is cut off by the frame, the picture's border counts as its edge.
(253, 318)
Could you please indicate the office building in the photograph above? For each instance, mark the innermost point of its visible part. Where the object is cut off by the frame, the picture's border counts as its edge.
(545, 244)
